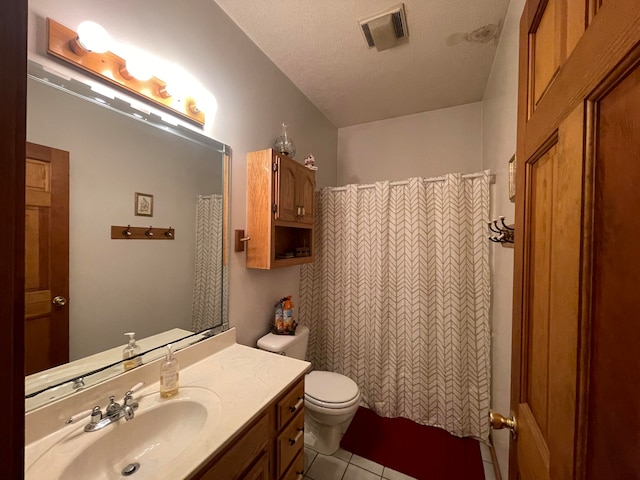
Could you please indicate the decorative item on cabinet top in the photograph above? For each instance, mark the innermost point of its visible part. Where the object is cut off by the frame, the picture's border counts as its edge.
(310, 162)
(280, 211)
(284, 143)
(503, 233)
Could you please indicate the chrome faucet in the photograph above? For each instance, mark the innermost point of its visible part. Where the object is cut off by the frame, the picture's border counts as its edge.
(78, 383)
(113, 412)
(129, 406)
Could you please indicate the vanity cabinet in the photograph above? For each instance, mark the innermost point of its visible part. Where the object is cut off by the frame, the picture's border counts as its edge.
(270, 448)
(260, 470)
(296, 469)
(247, 457)
(280, 211)
(289, 442)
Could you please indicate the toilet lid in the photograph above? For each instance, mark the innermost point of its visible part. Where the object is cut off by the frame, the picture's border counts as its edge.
(330, 387)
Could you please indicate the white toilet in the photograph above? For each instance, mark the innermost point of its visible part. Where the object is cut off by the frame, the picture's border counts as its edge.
(330, 399)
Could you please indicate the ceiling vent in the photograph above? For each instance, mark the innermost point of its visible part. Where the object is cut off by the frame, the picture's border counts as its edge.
(387, 29)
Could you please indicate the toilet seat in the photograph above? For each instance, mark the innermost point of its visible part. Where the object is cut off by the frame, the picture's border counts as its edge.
(330, 390)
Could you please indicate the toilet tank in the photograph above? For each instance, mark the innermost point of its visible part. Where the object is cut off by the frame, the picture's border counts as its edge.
(294, 346)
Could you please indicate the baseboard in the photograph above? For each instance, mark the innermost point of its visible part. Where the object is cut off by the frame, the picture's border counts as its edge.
(494, 459)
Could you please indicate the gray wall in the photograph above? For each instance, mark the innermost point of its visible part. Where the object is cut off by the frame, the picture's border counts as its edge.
(426, 144)
(499, 117)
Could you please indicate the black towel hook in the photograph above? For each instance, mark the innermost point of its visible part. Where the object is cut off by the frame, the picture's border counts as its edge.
(504, 234)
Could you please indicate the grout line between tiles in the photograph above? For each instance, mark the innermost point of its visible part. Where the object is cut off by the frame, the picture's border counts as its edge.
(380, 476)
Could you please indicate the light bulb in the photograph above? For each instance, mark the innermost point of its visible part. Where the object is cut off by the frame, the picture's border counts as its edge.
(165, 92)
(138, 71)
(93, 37)
(192, 106)
(139, 68)
(138, 64)
(175, 89)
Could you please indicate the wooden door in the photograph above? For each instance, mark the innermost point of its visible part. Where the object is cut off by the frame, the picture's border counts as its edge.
(46, 258)
(575, 389)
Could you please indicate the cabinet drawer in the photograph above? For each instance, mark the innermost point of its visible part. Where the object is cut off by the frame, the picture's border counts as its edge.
(290, 405)
(296, 469)
(249, 446)
(290, 443)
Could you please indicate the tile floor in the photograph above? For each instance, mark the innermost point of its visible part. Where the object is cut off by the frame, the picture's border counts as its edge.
(343, 465)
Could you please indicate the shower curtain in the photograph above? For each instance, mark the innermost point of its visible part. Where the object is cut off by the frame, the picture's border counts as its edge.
(398, 297)
(207, 292)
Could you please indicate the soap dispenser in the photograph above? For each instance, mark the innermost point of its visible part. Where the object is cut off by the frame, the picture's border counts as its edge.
(169, 373)
(131, 353)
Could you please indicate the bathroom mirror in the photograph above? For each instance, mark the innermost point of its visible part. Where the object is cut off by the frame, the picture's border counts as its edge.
(166, 291)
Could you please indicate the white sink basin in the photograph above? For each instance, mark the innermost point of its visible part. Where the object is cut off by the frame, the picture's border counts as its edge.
(154, 444)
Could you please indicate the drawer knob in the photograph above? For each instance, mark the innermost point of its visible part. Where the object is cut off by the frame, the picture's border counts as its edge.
(297, 405)
(292, 441)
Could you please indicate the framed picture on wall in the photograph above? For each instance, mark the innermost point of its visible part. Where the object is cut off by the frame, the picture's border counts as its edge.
(512, 178)
(143, 205)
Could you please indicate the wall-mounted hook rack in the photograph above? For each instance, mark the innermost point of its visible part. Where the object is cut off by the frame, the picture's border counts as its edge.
(503, 233)
(128, 232)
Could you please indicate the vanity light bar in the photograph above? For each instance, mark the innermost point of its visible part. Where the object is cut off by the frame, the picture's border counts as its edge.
(63, 44)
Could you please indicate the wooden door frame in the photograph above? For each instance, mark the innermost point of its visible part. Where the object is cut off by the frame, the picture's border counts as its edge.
(13, 82)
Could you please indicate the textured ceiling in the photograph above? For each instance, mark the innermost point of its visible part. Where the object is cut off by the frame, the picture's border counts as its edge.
(319, 46)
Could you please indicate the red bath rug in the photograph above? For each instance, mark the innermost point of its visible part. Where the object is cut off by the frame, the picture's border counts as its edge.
(426, 453)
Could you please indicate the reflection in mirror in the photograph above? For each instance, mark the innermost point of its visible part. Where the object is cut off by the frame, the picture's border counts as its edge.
(163, 291)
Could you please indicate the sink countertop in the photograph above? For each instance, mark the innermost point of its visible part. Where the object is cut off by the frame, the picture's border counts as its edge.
(245, 379)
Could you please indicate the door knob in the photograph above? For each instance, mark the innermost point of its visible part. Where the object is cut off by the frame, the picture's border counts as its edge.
(59, 301)
(499, 422)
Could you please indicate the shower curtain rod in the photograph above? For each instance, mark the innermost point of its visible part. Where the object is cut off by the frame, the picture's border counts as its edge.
(492, 179)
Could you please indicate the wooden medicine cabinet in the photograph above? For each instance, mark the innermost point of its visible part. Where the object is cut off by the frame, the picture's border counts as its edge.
(280, 211)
